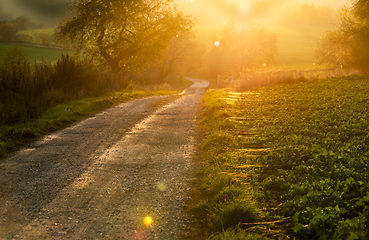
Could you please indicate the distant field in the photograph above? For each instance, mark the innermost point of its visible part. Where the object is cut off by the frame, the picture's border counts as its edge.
(37, 53)
(24, 35)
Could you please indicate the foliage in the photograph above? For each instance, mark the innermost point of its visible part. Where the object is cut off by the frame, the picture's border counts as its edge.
(123, 34)
(301, 149)
(8, 31)
(27, 90)
(31, 37)
(361, 9)
(333, 49)
(348, 45)
(236, 235)
(229, 199)
(183, 55)
(322, 179)
(241, 48)
(44, 37)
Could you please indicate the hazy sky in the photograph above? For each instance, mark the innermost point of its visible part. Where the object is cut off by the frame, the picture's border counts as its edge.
(266, 11)
(55, 10)
(52, 10)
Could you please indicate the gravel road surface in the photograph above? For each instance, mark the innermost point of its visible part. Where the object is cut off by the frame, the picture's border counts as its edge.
(106, 176)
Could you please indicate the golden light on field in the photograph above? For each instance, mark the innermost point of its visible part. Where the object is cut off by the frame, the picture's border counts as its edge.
(147, 221)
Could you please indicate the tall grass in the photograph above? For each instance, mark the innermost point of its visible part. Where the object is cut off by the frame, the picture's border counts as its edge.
(27, 90)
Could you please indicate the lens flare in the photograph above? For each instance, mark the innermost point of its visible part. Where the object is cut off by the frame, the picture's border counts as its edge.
(147, 221)
(161, 186)
(216, 44)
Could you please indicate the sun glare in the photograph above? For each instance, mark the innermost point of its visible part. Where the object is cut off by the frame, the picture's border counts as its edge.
(147, 221)
(243, 7)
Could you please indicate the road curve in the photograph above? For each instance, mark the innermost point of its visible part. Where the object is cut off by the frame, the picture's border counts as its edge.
(199, 86)
(100, 178)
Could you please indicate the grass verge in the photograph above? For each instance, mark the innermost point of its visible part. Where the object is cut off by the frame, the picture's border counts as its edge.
(287, 161)
(13, 137)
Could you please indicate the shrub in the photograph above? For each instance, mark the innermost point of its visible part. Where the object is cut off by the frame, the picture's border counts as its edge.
(231, 215)
(27, 90)
(237, 235)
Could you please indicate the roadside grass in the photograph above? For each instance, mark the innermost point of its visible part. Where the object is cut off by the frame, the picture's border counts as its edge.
(288, 161)
(14, 136)
(36, 54)
(231, 198)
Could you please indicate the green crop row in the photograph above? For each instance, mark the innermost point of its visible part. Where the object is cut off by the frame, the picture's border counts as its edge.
(301, 149)
(321, 131)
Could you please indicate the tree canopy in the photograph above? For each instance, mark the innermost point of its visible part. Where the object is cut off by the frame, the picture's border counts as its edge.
(347, 46)
(123, 34)
(361, 9)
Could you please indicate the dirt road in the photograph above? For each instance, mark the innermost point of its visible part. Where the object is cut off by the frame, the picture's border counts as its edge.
(100, 178)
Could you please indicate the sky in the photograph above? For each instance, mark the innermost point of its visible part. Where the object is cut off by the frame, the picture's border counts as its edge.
(55, 10)
(52, 10)
(213, 10)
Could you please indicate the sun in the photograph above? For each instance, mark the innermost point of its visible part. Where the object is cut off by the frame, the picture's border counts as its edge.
(147, 221)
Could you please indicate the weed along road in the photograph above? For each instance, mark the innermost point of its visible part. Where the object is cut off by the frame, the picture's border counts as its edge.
(125, 173)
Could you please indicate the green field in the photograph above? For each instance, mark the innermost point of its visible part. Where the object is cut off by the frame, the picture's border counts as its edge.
(292, 157)
(37, 53)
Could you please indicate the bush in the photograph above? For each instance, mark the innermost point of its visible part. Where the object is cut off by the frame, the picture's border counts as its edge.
(236, 235)
(347, 45)
(27, 90)
(231, 215)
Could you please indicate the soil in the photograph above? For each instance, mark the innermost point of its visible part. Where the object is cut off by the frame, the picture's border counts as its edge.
(100, 178)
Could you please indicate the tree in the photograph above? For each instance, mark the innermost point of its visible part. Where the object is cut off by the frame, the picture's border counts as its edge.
(44, 37)
(361, 9)
(347, 46)
(123, 34)
(8, 31)
(184, 54)
(21, 22)
(31, 37)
